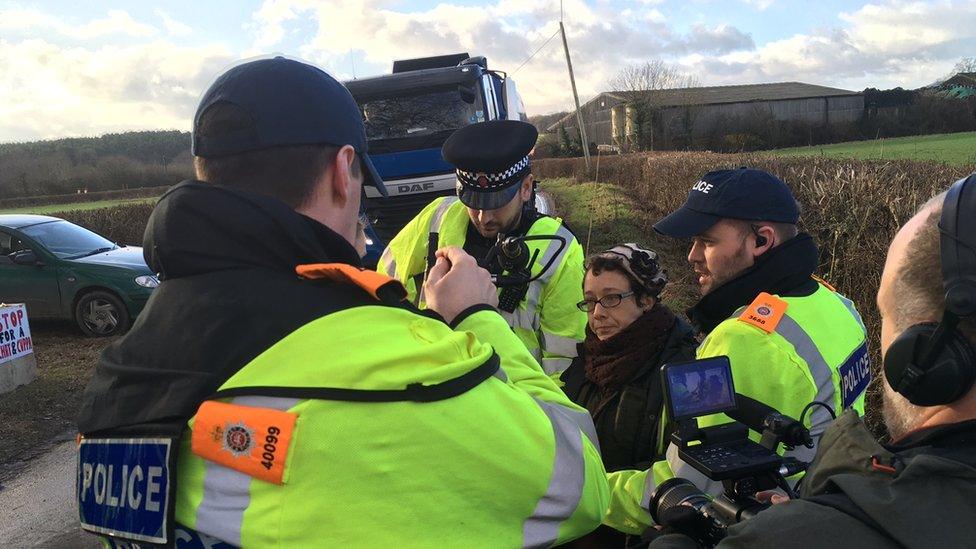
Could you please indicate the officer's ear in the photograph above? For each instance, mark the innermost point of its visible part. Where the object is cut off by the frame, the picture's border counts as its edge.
(526, 190)
(763, 239)
(344, 183)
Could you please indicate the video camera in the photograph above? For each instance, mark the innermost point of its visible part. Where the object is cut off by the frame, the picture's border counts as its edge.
(724, 452)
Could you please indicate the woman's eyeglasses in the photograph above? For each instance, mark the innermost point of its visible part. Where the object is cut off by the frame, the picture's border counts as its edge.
(608, 301)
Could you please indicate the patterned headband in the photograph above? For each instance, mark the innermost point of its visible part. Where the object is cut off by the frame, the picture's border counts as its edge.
(494, 181)
(640, 263)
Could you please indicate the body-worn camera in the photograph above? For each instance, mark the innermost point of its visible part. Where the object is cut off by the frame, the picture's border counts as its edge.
(724, 452)
(510, 263)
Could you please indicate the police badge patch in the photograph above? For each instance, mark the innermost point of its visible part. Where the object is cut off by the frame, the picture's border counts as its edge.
(238, 439)
(249, 439)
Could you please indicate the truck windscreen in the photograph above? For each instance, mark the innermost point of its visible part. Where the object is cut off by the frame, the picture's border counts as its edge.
(426, 115)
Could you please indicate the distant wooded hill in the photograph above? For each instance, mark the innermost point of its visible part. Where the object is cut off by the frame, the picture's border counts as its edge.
(543, 121)
(114, 161)
(110, 162)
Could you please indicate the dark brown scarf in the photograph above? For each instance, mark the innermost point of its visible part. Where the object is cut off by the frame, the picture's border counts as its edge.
(612, 363)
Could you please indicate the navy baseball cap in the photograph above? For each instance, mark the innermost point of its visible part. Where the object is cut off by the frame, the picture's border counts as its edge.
(743, 193)
(289, 103)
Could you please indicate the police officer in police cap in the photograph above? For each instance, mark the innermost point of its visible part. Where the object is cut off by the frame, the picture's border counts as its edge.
(496, 200)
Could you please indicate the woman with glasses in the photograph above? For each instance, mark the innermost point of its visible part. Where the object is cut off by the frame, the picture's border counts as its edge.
(616, 375)
(629, 335)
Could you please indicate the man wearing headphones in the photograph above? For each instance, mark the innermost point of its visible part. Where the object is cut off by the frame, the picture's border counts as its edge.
(920, 489)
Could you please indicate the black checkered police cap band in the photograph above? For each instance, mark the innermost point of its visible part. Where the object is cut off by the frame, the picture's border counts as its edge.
(640, 263)
(492, 159)
(289, 103)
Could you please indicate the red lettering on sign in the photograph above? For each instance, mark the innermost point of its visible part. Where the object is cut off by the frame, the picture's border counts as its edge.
(25, 345)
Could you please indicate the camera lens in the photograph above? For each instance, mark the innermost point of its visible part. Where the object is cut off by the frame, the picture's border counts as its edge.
(676, 491)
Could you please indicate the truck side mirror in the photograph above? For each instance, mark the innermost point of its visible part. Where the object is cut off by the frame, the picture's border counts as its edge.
(467, 93)
(25, 257)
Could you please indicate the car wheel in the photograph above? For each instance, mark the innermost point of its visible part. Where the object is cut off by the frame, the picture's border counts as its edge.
(101, 314)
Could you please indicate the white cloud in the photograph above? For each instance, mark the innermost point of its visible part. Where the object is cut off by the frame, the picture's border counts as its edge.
(760, 5)
(53, 91)
(172, 26)
(33, 21)
(114, 73)
(653, 15)
(887, 44)
(602, 38)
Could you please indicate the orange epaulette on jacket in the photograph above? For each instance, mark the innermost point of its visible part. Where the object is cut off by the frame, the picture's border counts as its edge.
(823, 283)
(764, 312)
(377, 285)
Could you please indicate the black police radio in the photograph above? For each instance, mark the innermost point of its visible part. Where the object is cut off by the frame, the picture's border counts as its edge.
(934, 363)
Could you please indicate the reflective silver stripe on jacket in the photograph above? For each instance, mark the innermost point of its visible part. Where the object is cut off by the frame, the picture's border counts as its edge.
(437, 219)
(528, 318)
(536, 354)
(819, 369)
(563, 350)
(551, 250)
(226, 492)
(558, 345)
(553, 366)
(388, 262)
(850, 307)
(565, 488)
(523, 318)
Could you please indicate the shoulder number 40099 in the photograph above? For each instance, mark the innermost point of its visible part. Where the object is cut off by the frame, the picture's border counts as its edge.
(270, 447)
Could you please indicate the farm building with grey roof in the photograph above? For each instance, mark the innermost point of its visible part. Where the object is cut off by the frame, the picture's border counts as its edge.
(700, 110)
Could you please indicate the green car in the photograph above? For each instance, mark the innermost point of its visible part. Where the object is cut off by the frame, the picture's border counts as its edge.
(61, 270)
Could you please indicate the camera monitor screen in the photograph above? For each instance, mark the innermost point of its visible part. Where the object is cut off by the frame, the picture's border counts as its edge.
(699, 387)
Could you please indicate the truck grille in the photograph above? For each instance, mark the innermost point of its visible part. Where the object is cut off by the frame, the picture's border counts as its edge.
(389, 215)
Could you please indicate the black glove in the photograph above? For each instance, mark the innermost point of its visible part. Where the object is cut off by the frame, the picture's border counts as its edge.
(685, 521)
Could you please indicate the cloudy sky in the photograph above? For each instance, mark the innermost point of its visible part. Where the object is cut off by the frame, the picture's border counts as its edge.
(70, 68)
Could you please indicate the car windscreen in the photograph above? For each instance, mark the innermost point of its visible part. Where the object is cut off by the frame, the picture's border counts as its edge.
(67, 240)
(419, 115)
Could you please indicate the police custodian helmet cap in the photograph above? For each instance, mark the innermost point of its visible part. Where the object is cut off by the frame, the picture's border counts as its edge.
(289, 103)
(492, 159)
(743, 193)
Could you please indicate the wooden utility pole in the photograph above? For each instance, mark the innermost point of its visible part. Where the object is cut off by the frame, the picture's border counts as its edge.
(579, 114)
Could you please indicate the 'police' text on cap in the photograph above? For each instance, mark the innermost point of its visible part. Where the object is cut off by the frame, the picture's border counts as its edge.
(743, 193)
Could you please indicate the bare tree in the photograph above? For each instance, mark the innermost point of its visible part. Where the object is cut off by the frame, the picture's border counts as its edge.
(966, 64)
(649, 76)
(634, 81)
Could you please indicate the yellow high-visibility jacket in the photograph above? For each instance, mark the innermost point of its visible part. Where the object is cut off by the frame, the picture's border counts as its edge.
(816, 351)
(546, 320)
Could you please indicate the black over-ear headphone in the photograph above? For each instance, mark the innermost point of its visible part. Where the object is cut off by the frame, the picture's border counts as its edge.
(932, 364)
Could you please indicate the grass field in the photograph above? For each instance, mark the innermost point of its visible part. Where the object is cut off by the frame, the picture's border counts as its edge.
(77, 206)
(952, 148)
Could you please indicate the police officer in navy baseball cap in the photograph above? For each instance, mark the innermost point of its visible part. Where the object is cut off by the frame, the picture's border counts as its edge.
(735, 217)
(745, 194)
(789, 337)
